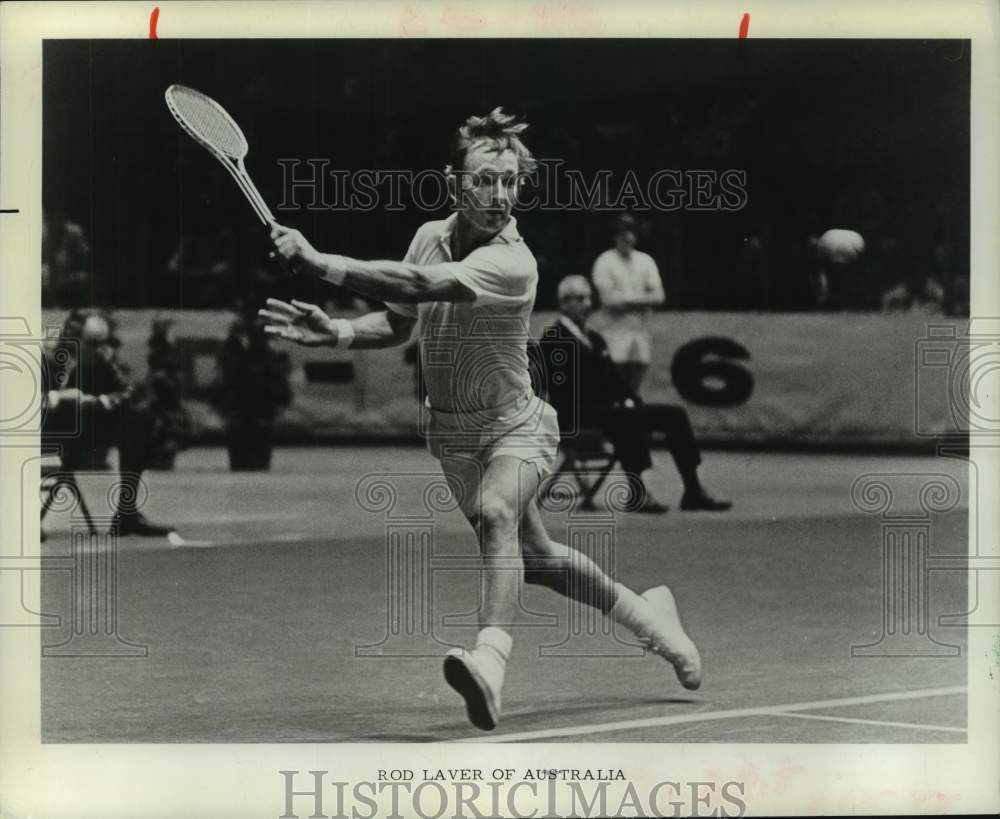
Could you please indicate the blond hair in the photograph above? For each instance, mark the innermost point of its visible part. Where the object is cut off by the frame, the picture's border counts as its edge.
(501, 133)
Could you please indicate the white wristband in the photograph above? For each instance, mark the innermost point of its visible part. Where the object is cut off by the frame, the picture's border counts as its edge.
(335, 269)
(345, 333)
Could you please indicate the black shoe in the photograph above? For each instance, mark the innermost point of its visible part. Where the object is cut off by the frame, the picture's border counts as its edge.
(136, 524)
(652, 507)
(703, 502)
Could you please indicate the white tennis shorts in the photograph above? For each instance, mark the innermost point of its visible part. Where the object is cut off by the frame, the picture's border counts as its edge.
(466, 443)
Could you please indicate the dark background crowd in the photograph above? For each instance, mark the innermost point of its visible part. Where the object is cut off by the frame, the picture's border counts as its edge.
(866, 135)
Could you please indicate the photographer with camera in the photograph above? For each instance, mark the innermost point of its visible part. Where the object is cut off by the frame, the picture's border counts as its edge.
(91, 405)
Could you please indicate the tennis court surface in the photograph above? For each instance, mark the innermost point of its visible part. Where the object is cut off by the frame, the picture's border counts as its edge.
(274, 621)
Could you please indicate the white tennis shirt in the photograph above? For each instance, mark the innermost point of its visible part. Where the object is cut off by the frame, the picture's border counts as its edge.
(621, 279)
(474, 354)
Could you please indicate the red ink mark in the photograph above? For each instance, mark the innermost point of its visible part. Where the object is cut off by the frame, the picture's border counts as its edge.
(744, 25)
(153, 18)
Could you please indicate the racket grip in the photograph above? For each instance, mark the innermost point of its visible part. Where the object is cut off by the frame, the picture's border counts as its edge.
(287, 268)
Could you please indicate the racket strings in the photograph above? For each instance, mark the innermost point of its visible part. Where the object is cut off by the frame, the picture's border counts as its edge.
(210, 124)
(207, 122)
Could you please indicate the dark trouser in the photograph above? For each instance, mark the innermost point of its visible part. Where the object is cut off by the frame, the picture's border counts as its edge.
(127, 427)
(633, 372)
(630, 428)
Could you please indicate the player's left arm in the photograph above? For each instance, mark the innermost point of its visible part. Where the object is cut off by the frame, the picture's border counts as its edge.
(310, 326)
(382, 280)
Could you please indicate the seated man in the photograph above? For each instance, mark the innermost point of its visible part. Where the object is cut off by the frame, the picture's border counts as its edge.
(603, 399)
(86, 380)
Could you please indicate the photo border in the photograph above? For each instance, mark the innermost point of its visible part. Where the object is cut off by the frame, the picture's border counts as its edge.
(243, 780)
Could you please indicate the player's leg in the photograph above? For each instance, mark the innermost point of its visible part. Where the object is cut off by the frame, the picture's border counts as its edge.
(652, 616)
(505, 488)
(562, 569)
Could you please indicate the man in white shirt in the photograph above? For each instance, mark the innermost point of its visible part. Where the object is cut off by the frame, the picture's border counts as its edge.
(628, 282)
(469, 281)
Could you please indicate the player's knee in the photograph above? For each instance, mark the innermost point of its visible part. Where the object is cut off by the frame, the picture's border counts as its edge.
(496, 515)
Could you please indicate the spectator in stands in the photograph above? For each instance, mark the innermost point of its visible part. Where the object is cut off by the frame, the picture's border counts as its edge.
(91, 405)
(837, 279)
(596, 394)
(917, 284)
(918, 293)
(66, 278)
(201, 269)
(629, 285)
(751, 285)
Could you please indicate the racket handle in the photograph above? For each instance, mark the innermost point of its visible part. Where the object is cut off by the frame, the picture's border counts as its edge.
(287, 268)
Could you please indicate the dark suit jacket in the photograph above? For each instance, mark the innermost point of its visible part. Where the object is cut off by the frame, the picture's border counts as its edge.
(579, 381)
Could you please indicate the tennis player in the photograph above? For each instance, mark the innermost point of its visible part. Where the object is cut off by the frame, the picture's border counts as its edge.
(469, 281)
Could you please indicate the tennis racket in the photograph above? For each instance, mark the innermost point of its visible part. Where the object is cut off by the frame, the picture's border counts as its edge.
(210, 125)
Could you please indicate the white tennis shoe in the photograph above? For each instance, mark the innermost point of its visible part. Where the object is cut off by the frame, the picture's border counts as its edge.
(665, 636)
(477, 676)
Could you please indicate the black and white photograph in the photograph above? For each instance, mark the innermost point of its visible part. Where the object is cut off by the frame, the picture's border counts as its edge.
(431, 388)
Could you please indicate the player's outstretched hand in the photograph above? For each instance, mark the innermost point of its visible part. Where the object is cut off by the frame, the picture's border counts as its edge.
(299, 255)
(300, 322)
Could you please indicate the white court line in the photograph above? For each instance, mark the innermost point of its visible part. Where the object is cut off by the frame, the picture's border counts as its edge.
(241, 517)
(706, 716)
(826, 718)
(175, 539)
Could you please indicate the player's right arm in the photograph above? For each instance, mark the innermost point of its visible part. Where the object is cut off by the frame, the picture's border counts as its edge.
(486, 275)
(308, 325)
(382, 280)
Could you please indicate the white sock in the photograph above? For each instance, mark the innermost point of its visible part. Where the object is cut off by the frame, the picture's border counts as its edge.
(491, 652)
(630, 610)
(497, 640)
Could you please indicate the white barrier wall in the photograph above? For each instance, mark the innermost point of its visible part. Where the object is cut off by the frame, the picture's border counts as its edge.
(744, 377)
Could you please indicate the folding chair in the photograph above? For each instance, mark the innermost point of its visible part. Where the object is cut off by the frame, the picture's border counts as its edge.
(56, 477)
(588, 457)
